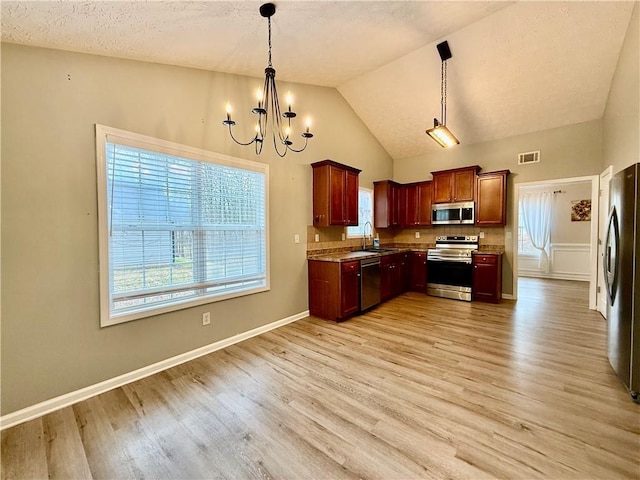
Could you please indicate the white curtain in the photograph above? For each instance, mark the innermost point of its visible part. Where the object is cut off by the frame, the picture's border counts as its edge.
(537, 209)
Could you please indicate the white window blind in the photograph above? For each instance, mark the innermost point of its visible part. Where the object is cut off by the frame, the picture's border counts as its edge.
(182, 226)
(365, 214)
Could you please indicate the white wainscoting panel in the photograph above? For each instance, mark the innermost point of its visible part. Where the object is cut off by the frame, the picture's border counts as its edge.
(568, 261)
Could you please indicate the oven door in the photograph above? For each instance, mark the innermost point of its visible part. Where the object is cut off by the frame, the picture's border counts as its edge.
(449, 279)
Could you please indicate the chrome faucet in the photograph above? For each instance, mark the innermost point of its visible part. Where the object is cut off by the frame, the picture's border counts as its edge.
(364, 234)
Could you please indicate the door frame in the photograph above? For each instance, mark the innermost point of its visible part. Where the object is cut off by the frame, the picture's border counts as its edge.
(593, 237)
(605, 176)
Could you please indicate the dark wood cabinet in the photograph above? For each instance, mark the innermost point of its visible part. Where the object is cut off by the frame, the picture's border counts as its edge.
(418, 274)
(405, 271)
(456, 185)
(334, 289)
(335, 194)
(416, 204)
(487, 277)
(349, 288)
(491, 198)
(393, 269)
(386, 204)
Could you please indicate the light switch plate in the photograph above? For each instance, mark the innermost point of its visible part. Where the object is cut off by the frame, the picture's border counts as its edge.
(417, 234)
(296, 238)
(317, 237)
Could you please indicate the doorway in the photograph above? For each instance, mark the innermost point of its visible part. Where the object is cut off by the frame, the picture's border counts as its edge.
(603, 215)
(589, 251)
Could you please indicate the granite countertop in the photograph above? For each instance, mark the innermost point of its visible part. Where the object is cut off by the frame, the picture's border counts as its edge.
(347, 256)
(488, 251)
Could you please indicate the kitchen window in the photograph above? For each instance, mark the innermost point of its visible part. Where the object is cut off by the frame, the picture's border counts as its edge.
(178, 226)
(365, 213)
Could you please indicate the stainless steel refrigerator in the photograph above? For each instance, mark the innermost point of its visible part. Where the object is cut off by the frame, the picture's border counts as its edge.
(622, 277)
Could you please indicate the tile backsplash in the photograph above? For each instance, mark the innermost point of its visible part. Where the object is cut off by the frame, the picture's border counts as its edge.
(331, 237)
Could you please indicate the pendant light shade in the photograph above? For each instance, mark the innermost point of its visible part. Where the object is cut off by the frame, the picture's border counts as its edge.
(440, 133)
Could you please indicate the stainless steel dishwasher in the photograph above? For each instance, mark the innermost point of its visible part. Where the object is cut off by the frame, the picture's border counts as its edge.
(369, 282)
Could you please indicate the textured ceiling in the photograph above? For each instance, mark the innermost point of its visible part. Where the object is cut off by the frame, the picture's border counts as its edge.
(517, 67)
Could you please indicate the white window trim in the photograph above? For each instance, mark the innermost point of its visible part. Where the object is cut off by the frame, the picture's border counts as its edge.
(105, 134)
(359, 235)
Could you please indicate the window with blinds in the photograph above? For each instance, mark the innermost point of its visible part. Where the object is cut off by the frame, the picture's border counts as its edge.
(178, 226)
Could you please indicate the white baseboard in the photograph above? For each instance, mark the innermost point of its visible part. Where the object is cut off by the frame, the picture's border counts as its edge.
(508, 296)
(48, 406)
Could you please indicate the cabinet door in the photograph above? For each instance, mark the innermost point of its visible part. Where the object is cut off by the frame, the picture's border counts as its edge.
(491, 201)
(419, 271)
(336, 196)
(350, 289)
(408, 205)
(386, 200)
(487, 278)
(324, 282)
(351, 198)
(385, 280)
(464, 182)
(424, 194)
(443, 187)
(405, 272)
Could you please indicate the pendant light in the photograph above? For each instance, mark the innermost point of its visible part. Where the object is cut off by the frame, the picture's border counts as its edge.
(440, 133)
(268, 108)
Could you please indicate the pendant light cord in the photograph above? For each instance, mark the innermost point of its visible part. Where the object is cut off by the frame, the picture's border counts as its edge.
(443, 93)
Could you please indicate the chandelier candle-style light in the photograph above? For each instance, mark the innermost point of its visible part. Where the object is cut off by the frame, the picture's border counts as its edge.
(269, 106)
(440, 133)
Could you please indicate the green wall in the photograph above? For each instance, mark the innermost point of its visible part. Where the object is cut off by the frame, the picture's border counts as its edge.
(51, 340)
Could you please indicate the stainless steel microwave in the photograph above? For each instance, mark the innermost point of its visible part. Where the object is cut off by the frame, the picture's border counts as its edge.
(461, 213)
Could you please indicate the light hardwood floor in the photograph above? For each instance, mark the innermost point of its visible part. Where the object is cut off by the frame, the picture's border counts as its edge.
(419, 387)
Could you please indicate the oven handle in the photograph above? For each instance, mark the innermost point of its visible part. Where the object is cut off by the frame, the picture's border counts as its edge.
(449, 260)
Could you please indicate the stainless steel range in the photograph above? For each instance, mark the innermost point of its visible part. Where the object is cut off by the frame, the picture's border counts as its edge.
(449, 270)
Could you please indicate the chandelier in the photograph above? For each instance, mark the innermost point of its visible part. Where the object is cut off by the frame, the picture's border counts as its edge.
(440, 133)
(269, 107)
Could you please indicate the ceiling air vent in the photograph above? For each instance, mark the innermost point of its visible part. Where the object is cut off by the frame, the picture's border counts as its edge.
(528, 157)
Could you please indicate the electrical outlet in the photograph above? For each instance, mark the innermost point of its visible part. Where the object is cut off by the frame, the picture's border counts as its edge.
(481, 234)
(206, 318)
(417, 234)
(344, 237)
(317, 237)
(296, 238)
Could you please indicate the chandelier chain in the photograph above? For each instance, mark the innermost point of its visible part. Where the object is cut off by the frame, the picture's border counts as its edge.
(269, 21)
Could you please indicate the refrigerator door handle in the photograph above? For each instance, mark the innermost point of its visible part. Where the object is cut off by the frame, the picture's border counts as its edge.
(610, 264)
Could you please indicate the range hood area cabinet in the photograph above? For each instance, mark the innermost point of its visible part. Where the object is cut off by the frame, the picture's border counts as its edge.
(491, 198)
(416, 204)
(410, 205)
(335, 194)
(456, 185)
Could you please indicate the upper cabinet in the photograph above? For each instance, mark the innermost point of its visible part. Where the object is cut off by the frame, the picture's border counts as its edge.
(457, 185)
(416, 204)
(491, 198)
(335, 194)
(386, 204)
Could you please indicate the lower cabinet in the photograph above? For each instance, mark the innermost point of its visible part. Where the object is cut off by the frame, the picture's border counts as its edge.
(334, 289)
(487, 277)
(349, 288)
(418, 275)
(393, 274)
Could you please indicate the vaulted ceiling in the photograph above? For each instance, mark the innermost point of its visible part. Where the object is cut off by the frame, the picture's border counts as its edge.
(517, 67)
